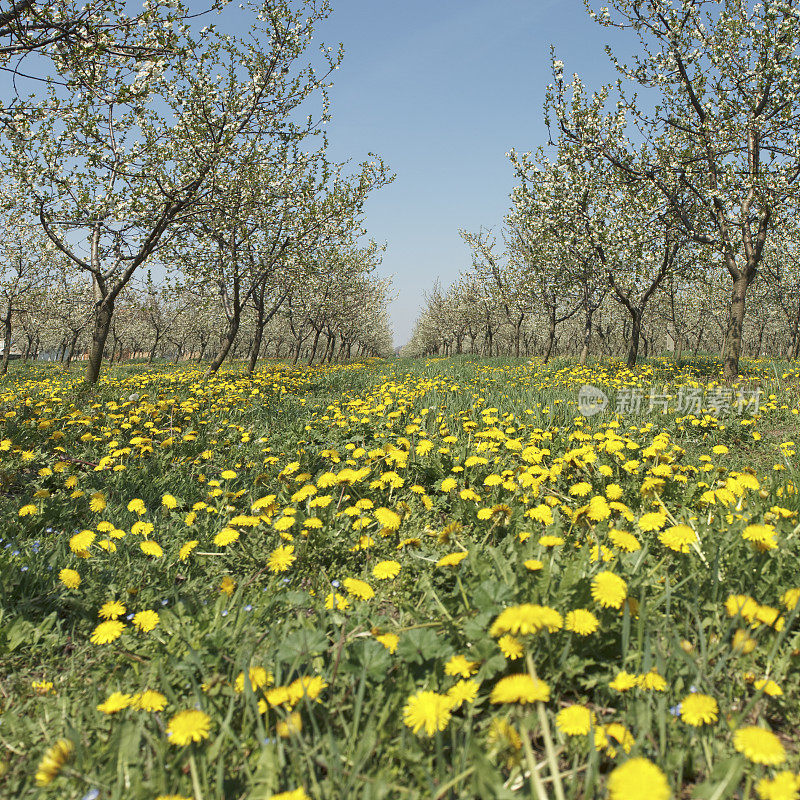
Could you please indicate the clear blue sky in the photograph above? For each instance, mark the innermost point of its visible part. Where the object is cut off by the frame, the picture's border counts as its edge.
(442, 90)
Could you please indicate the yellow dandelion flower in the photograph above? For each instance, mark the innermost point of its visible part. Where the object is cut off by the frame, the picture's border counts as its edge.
(526, 619)
(117, 701)
(427, 711)
(653, 681)
(145, 621)
(769, 687)
(789, 598)
(53, 761)
(291, 725)
(609, 590)
(598, 509)
(150, 700)
(294, 794)
(226, 536)
(137, 506)
(111, 610)
(258, 678)
(742, 642)
(581, 621)
(762, 536)
(389, 641)
(386, 570)
(340, 602)
(624, 540)
(387, 518)
(358, 588)
(575, 720)
(169, 501)
(624, 681)
(510, 646)
(451, 559)
(653, 521)
(699, 709)
(107, 632)
(551, 541)
(465, 691)
(784, 785)
(151, 549)
(188, 726)
(310, 686)
(638, 779)
(520, 689)
(186, 549)
(759, 745)
(81, 541)
(460, 666)
(70, 578)
(678, 538)
(281, 558)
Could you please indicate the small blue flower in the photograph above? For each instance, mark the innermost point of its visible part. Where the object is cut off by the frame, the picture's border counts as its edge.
(676, 710)
(335, 584)
(248, 607)
(224, 612)
(92, 794)
(164, 602)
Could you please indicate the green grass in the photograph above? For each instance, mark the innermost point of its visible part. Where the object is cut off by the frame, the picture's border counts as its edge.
(147, 431)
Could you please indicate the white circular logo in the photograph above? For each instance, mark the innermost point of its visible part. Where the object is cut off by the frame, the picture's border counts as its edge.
(591, 400)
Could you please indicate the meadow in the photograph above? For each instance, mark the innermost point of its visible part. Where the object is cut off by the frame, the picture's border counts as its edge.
(400, 579)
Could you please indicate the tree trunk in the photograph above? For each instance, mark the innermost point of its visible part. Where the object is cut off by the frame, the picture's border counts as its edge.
(587, 337)
(794, 347)
(225, 345)
(551, 334)
(6, 343)
(699, 337)
(102, 325)
(154, 348)
(71, 352)
(679, 348)
(733, 337)
(636, 329)
(314, 344)
(255, 350)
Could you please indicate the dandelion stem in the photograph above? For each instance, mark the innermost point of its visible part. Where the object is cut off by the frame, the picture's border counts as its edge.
(536, 782)
(198, 794)
(548, 741)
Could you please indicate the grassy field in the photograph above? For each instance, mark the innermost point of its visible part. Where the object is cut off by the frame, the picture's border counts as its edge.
(400, 579)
